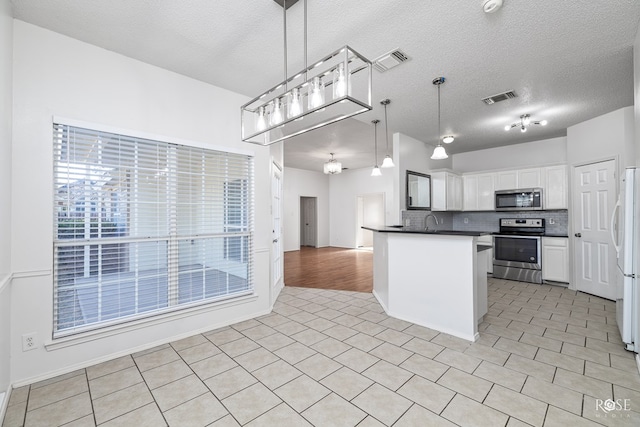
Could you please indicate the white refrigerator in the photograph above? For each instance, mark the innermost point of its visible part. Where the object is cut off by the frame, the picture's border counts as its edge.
(626, 238)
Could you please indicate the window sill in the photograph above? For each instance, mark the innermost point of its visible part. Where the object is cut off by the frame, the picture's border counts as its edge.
(97, 334)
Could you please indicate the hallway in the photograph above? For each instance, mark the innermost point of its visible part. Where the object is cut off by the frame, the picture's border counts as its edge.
(329, 268)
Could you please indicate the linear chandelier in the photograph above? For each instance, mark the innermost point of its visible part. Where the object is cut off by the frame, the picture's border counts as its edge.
(336, 87)
(524, 123)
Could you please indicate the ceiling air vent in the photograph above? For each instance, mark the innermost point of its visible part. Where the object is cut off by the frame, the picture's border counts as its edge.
(499, 97)
(389, 60)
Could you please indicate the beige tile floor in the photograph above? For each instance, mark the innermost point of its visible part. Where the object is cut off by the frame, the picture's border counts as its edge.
(546, 356)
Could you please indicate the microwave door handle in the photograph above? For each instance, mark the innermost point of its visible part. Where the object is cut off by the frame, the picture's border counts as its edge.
(616, 244)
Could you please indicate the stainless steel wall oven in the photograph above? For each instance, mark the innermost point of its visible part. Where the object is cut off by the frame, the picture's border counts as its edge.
(517, 250)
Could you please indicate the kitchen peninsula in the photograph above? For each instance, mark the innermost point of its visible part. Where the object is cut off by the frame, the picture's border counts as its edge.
(434, 278)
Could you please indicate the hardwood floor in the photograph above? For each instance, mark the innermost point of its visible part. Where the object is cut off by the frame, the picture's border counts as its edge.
(329, 268)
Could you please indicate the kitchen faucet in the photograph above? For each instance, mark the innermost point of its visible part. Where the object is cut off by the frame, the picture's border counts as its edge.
(426, 221)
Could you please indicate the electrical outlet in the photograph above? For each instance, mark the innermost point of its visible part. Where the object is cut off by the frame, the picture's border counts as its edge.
(29, 341)
(466, 220)
(407, 222)
(552, 220)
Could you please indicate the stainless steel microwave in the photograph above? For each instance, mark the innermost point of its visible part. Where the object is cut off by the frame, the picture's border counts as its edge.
(523, 199)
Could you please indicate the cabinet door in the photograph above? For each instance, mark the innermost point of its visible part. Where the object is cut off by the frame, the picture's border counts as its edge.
(507, 180)
(555, 259)
(555, 189)
(470, 193)
(486, 192)
(529, 178)
(454, 192)
(438, 191)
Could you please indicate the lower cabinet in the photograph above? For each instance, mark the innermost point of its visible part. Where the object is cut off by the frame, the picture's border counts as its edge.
(555, 259)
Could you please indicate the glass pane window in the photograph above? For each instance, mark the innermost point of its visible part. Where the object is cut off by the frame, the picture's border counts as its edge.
(142, 227)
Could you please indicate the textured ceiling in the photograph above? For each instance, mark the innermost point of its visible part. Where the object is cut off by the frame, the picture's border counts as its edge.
(568, 61)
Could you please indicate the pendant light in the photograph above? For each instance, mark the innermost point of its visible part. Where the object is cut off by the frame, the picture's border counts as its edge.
(336, 87)
(439, 153)
(333, 166)
(376, 170)
(388, 161)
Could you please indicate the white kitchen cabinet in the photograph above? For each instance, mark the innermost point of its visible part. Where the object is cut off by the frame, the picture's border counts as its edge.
(555, 259)
(555, 187)
(507, 180)
(446, 191)
(529, 178)
(478, 192)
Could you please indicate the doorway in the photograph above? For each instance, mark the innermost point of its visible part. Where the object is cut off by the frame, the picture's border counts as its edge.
(594, 197)
(276, 217)
(370, 211)
(309, 221)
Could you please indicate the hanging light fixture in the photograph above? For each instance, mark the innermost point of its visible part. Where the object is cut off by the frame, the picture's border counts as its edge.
(333, 166)
(388, 161)
(439, 153)
(336, 87)
(524, 123)
(376, 170)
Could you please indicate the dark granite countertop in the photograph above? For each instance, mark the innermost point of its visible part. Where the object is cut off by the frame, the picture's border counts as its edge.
(415, 230)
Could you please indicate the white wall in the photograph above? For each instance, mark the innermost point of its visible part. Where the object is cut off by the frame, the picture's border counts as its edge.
(344, 191)
(604, 137)
(6, 100)
(636, 93)
(303, 183)
(528, 154)
(56, 75)
(415, 156)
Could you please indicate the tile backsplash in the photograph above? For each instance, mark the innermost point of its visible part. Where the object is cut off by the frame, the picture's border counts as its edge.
(556, 221)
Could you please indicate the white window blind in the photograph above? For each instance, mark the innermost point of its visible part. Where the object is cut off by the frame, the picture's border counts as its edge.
(142, 227)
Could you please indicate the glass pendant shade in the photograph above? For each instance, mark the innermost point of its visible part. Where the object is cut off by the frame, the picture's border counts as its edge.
(351, 73)
(277, 113)
(316, 93)
(295, 103)
(261, 121)
(376, 171)
(439, 153)
(339, 82)
(387, 162)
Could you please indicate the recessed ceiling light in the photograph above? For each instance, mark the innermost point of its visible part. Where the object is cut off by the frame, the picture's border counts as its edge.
(490, 6)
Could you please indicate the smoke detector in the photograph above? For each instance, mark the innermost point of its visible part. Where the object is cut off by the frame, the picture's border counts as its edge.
(490, 6)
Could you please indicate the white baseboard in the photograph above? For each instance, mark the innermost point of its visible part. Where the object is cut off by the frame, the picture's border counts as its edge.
(4, 402)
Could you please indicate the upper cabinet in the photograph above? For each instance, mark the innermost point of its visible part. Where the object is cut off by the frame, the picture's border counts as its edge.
(555, 187)
(506, 180)
(446, 191)
(529, 178)
(479, 188)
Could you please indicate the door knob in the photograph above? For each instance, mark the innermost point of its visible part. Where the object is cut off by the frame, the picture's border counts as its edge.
(275, 240)
(578, 234)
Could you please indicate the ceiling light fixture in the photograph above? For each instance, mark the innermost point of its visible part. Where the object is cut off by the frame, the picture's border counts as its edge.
(448, 139)
(524, 123)
(439, 153)
(376, 170)
(333, 166)
(388, 161)
(276, 115)
(491, 6)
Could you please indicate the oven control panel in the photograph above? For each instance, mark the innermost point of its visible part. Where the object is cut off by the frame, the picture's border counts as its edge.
(522, 222)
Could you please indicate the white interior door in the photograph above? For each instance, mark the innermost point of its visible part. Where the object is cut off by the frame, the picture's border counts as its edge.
(594, 196)
(370, 213)
(276, 214)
